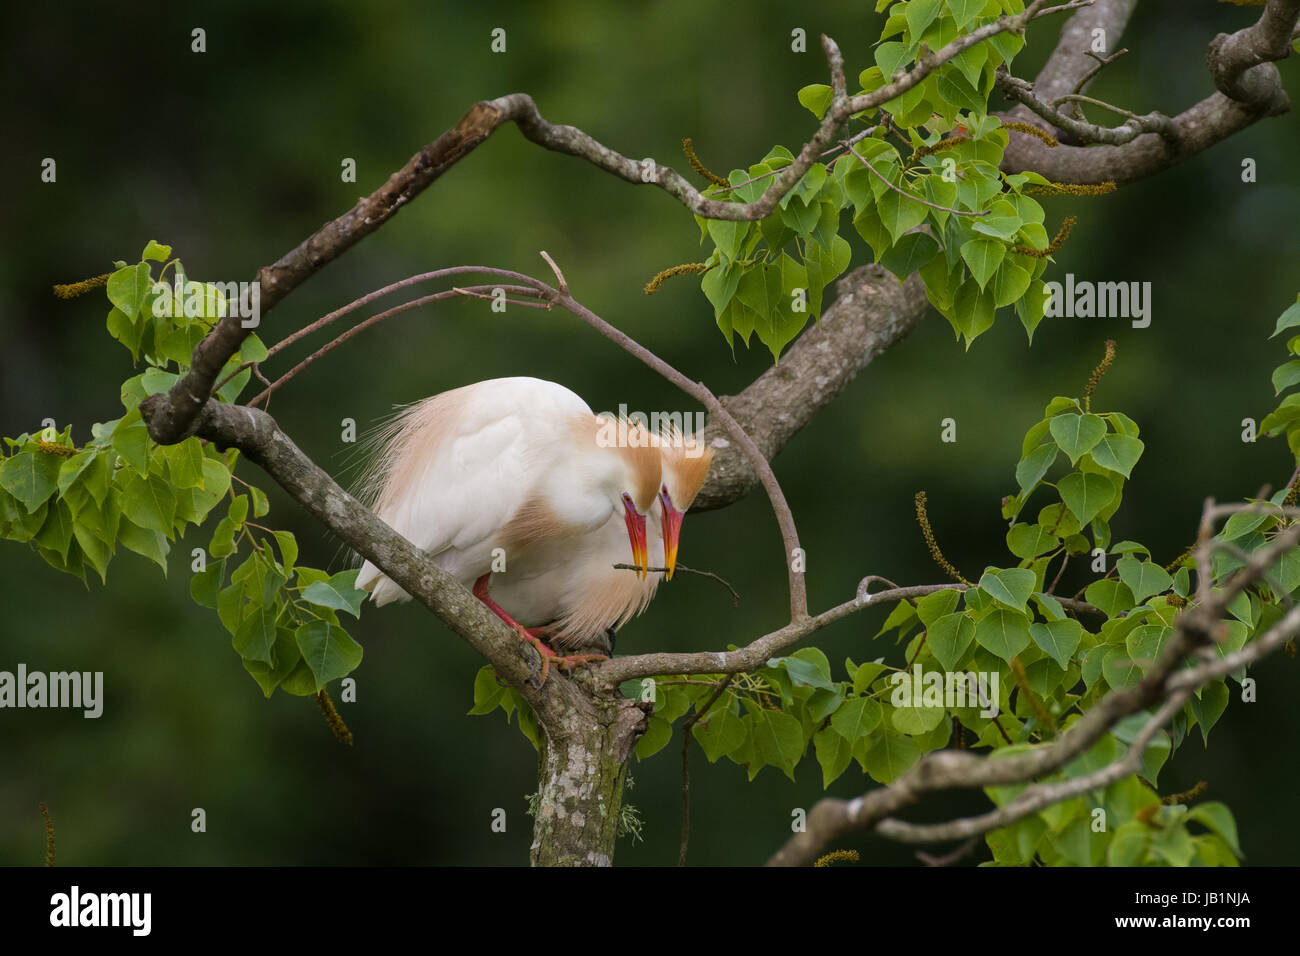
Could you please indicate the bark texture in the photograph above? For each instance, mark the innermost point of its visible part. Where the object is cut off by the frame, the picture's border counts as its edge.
(581, 775)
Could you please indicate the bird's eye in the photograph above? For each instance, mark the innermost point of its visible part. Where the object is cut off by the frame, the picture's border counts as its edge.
(664, 489)
(627, 498)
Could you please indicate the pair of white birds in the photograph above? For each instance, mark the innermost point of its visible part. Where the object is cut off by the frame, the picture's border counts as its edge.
(512, 486)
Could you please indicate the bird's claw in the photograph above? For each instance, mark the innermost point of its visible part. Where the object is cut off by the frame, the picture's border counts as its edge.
(564, 663)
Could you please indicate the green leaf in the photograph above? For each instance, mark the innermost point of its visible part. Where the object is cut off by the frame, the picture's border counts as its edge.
(949, 638)
(144, 541)
(889, 756)
(185, 463)
(983, 256)
(915, 721)
(287, 660)
(719, 285)
(1209, 707)
(72, 469)
(1288, 319)
(1085, 495)
(816, 98)
(864, 674)
(1060, 639)
(720, 732)
(94, 549)
(1119, 670)
(934, 606)
(965, 11)
(778, 739)
(833, 753)
(1286, 375)
(1113, 597)
(1034, 466)
(288, 546)
(150, 503)
(1077, 434)
(973, 311)
(1143, 577)
(156, 252)
(205, 585)
(1286, 413)
(1028, 541)
(804, 672)
(1009, 284)
(1004, 633)
(1011, 586)
(728, 236)
(1031, 306)
(125, 330)
(909, 254)
(900, 213)
(328, 651)
(657, 735)
(920, 14)
(131, 441)
(128, 287)
(31, 477)
(256, 633)
(1144, 643)
(339, 592)
(890, 57)
(1128, 847)
(1217, 817)
(56, 533)
(857, 717)
(1118, 453)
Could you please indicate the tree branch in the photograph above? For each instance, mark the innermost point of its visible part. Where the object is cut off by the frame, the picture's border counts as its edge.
(1083, 131)
(1241, 65)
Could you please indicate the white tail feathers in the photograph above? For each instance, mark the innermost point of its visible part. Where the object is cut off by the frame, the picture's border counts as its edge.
(383, 590)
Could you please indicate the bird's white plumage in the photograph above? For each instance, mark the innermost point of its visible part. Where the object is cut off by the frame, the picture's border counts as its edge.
(500, 464)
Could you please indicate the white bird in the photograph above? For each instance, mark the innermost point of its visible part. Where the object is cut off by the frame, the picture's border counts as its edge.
(574, 588)
(504, 476)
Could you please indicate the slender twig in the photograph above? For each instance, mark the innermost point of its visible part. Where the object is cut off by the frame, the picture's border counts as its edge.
(360, 327)
(1102, 62)
(1023, 92)
(903, 192)
(1065, 559)
(686, 771)
(1080, 98)
(947, 859)
(735, 595)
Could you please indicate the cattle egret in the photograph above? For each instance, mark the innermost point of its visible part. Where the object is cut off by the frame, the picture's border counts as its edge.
(500, 479)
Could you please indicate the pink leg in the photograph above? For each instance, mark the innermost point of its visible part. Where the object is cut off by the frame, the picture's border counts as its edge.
(531, 635)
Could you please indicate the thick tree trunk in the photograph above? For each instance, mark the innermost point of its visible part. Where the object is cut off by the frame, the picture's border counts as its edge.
(582, 769)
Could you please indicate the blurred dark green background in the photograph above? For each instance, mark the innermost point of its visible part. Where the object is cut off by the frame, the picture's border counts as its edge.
(234, 156)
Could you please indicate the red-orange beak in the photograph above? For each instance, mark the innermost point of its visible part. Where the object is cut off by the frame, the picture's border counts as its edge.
(672, 531)
(636, 535)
